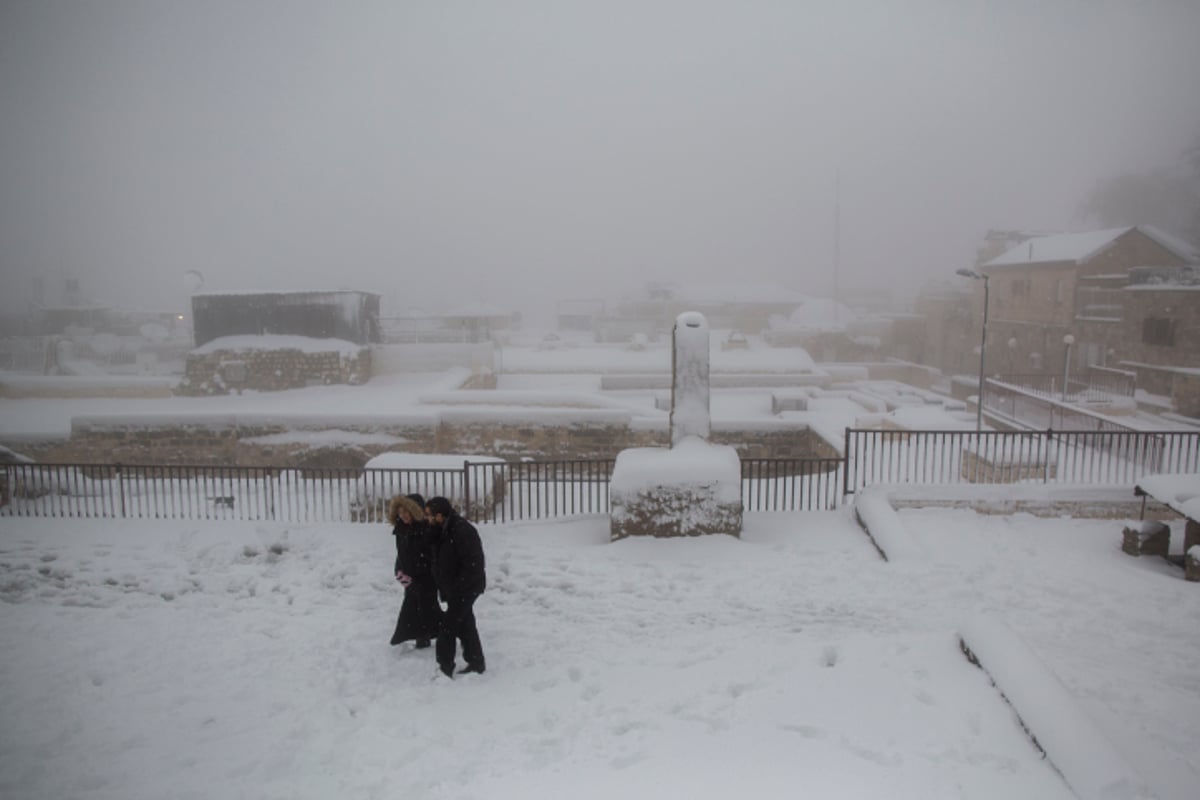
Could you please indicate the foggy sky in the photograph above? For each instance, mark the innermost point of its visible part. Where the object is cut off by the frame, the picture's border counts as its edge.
(446, 152)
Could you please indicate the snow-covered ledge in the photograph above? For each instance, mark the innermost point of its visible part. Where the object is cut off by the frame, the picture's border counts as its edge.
(873, 509)
(691, 489)
(1088, 762)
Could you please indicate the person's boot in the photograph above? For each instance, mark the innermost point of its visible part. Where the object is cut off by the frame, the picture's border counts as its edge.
(447, 670)
(421, 644)
(471, 668)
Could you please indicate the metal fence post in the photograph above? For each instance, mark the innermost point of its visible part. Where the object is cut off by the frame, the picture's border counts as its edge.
(121, 487)
(1046, 466)
(846, 486)
(269, 487)
(468, 500)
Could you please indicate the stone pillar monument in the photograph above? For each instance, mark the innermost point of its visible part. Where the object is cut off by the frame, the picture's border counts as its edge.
(690, 415)
(694, 487)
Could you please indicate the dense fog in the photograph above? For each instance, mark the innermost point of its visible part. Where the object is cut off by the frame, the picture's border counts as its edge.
(447, 153)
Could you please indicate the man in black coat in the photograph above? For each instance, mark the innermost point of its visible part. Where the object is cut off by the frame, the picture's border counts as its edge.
(459, 573)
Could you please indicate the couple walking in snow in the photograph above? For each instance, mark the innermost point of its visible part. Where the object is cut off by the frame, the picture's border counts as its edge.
(438, 552)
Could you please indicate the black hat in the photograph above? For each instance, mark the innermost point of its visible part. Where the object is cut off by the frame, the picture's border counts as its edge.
(440, 505)
(416, 498)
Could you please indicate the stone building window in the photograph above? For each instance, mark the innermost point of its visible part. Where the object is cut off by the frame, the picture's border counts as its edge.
(1158, 331)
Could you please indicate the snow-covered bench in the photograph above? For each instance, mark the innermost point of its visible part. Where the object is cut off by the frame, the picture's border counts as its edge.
(429, 474)
(1179, 492)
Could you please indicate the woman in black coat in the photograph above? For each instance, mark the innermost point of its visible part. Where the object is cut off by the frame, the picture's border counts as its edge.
(420, 615)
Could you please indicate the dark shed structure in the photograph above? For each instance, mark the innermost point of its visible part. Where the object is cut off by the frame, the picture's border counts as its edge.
(343, 314)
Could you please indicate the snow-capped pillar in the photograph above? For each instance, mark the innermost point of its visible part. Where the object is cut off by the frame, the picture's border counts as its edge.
(693, 487)
(689, 378)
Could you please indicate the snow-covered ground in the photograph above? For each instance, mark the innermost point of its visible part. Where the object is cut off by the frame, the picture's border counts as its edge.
(198, 660)
(386, 395)
(567, 377)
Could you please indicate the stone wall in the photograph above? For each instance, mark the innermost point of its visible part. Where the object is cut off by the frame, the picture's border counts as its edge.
(1185, 394)
(72, 386)
(227, 371)
(670, 511)
(254, 440)
(690, 489)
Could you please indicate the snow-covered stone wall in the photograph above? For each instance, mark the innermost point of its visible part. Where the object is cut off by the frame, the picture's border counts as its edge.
(319, 440)
(223, 371)
(690, 489)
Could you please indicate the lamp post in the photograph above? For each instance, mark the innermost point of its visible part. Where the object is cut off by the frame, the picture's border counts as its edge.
(1068, 340)
(979, 276)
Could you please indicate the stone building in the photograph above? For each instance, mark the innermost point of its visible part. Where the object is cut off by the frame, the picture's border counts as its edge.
(948, 331)
(296, 339)
(1047, 287)
(1148, 323)
(342, 314)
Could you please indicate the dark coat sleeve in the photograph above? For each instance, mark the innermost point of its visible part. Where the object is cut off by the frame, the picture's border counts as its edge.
(471, 578)
(412, 551)
(398, 533)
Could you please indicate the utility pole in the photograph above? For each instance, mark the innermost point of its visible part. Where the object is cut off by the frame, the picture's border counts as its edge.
(837, 239)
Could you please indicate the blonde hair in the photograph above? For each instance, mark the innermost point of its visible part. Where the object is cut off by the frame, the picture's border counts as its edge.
(408, 504)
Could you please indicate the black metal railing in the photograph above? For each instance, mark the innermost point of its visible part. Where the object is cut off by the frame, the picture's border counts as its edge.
(527, 490)
(1094, 384)
(1119, 382)
(215, 492)
(791, 484)
(1050, 456)
(539, 489)
(484, 491)
(1039, 411)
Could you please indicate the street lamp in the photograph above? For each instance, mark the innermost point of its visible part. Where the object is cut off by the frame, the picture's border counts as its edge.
(979, 276)
(1068, 340)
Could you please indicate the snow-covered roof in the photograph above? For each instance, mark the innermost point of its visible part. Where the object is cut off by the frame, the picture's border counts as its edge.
(253, 292)
(278, 341)
(815, 314)
(477, 308)
(1079, 247)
